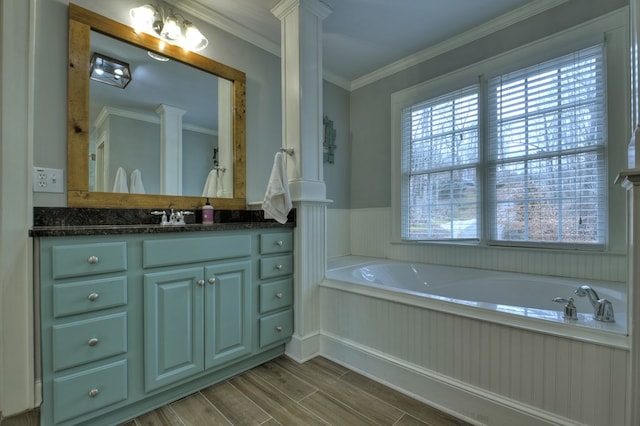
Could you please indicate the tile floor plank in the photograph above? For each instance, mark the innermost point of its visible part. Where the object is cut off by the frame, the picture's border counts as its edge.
(379, 411)
(329, 366)
(332, 411)
(196, 410)
(408, 420)
(284, 381)
(283, 409)
(235, 406)
(405, 403)
(163, 416)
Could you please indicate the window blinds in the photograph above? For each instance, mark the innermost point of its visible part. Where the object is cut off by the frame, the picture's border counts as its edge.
(546, 151)
(439, 161)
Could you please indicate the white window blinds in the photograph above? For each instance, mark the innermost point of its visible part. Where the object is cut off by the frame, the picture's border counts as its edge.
(440, 194)
(546, 152)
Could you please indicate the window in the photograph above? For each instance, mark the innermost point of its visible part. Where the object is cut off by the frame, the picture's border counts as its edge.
(440, 161)
(536, 175)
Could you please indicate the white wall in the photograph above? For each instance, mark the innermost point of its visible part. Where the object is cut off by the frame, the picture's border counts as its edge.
(16, 319)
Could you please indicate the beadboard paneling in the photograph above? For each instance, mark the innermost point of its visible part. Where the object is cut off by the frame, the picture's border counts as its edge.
(581, 381)
(371, 236)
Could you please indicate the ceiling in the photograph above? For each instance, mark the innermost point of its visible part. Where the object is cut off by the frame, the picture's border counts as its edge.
(362, 36)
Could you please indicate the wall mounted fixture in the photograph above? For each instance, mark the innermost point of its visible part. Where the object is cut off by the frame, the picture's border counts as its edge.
(110, 71)
(169, 26)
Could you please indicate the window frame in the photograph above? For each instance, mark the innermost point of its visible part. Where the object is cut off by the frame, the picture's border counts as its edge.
(542, 50)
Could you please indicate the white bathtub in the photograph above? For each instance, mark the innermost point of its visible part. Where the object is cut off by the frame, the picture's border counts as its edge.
(488, 346)
(524, 295)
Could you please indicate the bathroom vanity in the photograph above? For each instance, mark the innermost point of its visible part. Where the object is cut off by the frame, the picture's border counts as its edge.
(133, 317)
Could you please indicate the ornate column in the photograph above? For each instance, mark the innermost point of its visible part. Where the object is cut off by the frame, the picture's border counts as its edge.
(301, 46)
(630, 180)
(170, 149)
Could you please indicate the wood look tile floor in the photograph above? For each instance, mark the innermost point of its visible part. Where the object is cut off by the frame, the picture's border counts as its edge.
(283, 392)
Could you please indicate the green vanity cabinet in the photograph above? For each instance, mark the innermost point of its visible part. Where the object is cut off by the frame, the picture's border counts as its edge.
(129, 322)
(195, 319)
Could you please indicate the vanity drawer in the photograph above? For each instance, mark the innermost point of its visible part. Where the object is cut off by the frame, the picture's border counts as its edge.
(276, 327)
(87, 296)
(89, 340)
(89, 390)
(279, 242)
(88, 259)
(277, 266)
(276, 295)
(189, 250)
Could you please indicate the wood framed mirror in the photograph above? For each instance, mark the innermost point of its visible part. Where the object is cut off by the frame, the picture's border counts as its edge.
(80, 193)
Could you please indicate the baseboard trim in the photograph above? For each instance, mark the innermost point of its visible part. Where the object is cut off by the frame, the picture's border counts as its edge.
(474, 405)
(303, 348)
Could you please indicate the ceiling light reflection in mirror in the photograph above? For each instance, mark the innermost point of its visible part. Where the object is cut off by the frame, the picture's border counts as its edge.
(127, 125)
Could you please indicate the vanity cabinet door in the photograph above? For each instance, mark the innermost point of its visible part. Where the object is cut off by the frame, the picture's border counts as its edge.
(173, 326)
(228, 303)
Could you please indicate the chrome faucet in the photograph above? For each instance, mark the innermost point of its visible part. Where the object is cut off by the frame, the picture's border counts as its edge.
(602, 308)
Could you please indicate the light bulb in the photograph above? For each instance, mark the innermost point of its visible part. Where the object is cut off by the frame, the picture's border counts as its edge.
(143, 17)
(194, 40)
(171, 28)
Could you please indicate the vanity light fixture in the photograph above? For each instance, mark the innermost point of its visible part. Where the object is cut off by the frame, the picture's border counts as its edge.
(110, 71)
(169, 26)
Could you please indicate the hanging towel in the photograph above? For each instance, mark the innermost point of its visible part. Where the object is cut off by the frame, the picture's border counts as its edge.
(277, 201)
(211, 186)
(136, 182)
(120, 183)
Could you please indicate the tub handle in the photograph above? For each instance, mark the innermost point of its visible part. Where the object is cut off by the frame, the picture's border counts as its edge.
(570, 310)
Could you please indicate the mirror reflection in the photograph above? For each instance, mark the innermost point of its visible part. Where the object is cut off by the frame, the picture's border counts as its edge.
(169, 131)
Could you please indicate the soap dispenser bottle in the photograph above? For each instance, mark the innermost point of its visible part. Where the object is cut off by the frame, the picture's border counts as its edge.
(207, 213)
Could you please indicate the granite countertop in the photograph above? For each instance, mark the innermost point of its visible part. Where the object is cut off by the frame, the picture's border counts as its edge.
(65, 221)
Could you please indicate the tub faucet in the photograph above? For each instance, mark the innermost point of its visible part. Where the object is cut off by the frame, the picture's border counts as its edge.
(602, 308)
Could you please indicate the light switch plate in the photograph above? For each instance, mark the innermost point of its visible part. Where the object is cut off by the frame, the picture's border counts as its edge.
(48, 180)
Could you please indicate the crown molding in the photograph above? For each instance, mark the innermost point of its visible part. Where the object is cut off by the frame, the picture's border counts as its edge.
(497, 24)
(337, 80)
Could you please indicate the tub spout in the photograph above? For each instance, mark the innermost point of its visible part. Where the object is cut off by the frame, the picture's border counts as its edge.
(602, 308)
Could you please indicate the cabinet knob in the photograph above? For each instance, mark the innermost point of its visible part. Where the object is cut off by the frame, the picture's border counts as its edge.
(278, 295)
(93, 341)
(92, 260)
(212, 280)
(278, 328)
(93, 393)
(93, 297)
(279, 243)
(279, 267)
(200, 283)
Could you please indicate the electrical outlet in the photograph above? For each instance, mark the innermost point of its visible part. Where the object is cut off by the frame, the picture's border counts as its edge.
(47, 180)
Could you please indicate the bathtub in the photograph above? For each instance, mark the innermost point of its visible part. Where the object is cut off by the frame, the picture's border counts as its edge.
(523, 295)
(490, 347)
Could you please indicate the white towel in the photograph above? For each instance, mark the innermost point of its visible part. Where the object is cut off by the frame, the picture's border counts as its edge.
(212, 185)
(277, 201)
(136, 182)
(120, 182)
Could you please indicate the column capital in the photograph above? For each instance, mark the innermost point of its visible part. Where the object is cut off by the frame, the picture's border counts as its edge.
(284, 7)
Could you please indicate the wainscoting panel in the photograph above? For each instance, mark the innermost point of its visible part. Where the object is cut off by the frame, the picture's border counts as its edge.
(371, 236)
(542, 378)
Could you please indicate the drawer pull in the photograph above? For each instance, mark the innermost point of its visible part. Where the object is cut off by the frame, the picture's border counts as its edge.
(93, 341)
(278, 328)
(212, 280)
(92, 260)
(279, 267)
(278, 295)
(93, 393)
(93, 297)
(279, 243)
(200, 282)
